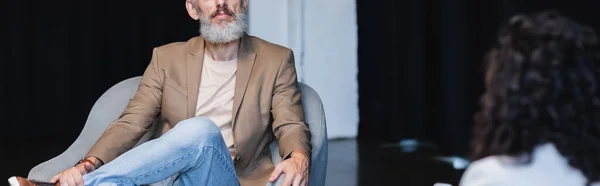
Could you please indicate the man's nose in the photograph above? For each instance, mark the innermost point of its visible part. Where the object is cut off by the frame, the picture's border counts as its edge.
(220, 2)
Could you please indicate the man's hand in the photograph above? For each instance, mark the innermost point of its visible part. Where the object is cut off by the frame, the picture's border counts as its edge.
(73, 176)
(295, 169)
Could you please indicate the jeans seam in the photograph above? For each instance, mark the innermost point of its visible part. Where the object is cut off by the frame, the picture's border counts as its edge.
(228, 166)
(167, 165)
(120, 182)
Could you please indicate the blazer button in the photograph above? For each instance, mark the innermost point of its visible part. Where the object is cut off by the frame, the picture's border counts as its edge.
(237, 158)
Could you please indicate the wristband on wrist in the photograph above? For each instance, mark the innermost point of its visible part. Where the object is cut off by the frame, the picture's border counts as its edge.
(86, 159)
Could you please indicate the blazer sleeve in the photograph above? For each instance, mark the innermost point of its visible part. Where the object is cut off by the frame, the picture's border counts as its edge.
(288, 125)
(124, 132)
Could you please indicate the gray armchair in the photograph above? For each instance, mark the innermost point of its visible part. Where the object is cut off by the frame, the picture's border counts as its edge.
(113, 102)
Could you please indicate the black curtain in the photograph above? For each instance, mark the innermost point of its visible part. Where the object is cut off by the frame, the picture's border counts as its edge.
(58, 57)
(420, 64)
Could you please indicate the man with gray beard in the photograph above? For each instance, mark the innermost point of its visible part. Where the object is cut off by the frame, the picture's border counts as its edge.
(223, 97)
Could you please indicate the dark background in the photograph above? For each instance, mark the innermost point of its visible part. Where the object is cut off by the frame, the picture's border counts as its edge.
(421, 67)
(419, 64)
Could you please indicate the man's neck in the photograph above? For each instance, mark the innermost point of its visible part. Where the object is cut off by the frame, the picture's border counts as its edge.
(223, 51)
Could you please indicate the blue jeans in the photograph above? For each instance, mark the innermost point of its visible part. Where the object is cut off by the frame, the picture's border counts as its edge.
(194, 150)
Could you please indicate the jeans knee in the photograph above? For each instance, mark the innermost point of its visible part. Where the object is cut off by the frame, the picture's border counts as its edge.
(197, 129)
(198, 123)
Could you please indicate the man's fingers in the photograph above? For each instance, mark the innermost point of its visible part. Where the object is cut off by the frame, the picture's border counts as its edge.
(305, 180)
(289, 177)
(78, 179)
(276, 172)
(56, 178)
(297, 179)
(63, 180)
(70, 179)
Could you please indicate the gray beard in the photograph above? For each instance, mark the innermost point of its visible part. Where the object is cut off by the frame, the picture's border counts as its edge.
(230, 32)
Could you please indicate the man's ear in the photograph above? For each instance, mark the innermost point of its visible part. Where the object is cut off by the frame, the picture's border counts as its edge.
(191, 9)
(245, 4)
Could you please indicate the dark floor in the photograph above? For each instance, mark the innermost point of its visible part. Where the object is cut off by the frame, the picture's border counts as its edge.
(363, 163)
(350, 162)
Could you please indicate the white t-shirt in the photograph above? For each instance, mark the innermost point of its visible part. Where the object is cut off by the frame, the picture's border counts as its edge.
(547, 167)
(215, 96)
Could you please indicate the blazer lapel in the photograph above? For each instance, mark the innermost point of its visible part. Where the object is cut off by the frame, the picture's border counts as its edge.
(246, 57)
(194, 61)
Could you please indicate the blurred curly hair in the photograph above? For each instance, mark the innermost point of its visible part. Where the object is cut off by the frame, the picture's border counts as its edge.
(541, 84)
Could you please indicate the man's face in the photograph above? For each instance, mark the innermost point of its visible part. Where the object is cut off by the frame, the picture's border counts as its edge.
(221, 21)
(219, 12)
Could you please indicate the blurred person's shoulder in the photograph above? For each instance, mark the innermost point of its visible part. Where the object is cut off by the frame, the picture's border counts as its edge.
(485, 171)
(547, 167)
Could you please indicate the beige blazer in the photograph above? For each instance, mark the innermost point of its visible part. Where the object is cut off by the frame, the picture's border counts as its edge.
(266, 104)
